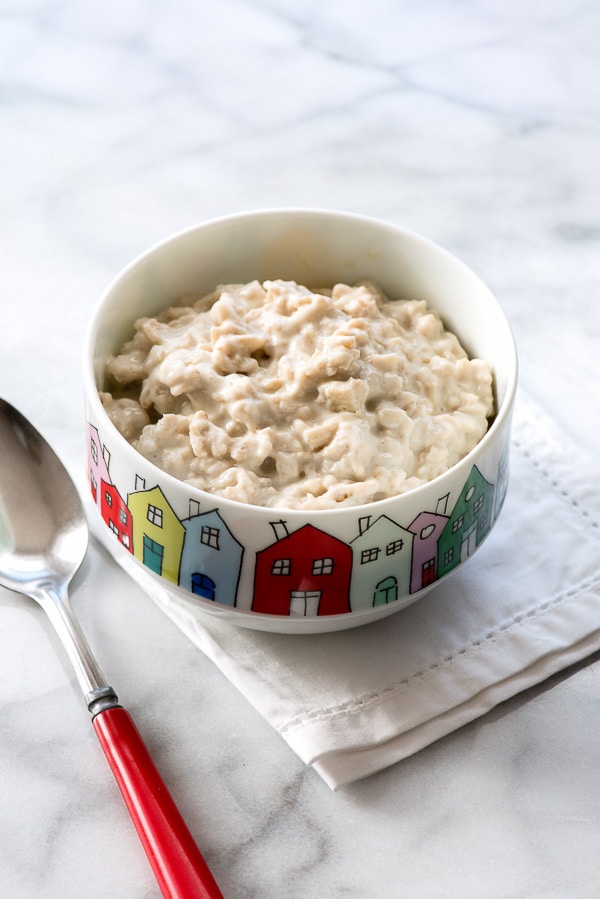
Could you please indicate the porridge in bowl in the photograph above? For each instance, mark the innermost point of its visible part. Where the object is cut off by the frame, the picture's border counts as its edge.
(274, 395)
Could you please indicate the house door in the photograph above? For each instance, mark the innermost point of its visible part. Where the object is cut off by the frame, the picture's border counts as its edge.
(429, 574)
(304, 603)
(468, 545)
(153, 555)
(385, 591)
(203, 586)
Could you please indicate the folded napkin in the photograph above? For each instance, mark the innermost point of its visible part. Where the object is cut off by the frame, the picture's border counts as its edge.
(524, 607)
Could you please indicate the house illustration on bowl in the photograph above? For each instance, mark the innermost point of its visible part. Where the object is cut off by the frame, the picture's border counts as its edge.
(382, 562)
(502, 482)
(116, 515)
(211, 559)
(98, 462)
(158, 534)
(111, 504)
(304, 573)
(469, 522)
(427, 528)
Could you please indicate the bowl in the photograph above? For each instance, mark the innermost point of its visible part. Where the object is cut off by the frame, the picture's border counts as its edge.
(287, 570)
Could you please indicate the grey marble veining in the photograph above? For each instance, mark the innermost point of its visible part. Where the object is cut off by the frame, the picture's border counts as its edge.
(476, 123)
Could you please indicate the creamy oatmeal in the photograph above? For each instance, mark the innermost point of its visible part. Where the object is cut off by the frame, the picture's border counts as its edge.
(275, 395)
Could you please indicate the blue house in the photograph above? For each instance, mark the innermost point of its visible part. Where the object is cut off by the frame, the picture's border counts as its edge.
(211, 559)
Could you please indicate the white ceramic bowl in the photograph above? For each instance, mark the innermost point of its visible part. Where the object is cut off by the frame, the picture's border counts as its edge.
(167, 525)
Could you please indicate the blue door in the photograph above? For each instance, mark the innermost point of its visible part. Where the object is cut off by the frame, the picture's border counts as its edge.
(203, 586)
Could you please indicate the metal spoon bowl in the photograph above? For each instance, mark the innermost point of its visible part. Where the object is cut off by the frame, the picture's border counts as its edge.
(43, 541)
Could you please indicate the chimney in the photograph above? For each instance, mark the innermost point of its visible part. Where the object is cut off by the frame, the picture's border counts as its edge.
(193, 508)
(280, 529)
(442, 505)
(364, 524)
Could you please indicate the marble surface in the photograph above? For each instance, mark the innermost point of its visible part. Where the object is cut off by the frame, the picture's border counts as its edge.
(476, 124)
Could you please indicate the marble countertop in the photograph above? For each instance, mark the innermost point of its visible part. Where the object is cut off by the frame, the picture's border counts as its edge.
(476, 124)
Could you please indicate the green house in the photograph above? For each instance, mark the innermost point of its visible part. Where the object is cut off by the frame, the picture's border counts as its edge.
(468, 524)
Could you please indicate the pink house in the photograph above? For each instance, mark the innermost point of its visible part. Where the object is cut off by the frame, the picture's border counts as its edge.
(97, 464)
(427, 528)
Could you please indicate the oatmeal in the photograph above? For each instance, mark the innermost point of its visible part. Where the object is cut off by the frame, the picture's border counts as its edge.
(275, 395)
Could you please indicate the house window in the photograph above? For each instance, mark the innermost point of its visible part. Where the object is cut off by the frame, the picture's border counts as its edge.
(322, 566)
(427, 531)
(108, 498)
(125, 541)
(94, 451)
(469, 493)
(123, 517)
(155, 515)
(458, 523)
(282, 567)
(478, 504)
(369, 555)
(112, 526)
(449, 556)
(394, 547)
(209, 536)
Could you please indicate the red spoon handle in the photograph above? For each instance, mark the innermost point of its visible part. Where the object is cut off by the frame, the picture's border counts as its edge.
(177, 862)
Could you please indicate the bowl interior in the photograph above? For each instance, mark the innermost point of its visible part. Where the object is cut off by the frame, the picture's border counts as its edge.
(316, 249)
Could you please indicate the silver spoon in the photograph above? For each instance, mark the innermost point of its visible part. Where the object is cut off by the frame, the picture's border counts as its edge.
(43, 540)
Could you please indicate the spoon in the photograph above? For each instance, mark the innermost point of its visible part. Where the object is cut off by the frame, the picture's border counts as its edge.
(43, 540)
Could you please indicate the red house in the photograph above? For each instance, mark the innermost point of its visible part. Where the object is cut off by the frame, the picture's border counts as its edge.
(305, 573)
(116, 514)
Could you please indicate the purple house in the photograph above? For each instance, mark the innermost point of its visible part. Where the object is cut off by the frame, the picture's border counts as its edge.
(427, 528)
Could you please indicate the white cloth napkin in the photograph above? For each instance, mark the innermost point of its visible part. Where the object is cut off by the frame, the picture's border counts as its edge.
(526, 606)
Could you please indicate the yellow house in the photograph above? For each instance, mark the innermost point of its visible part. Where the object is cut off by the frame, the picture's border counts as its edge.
(157, 532)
